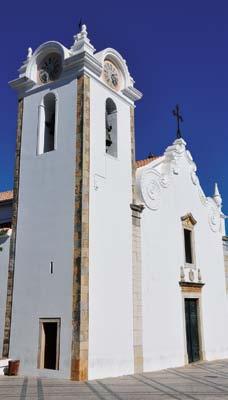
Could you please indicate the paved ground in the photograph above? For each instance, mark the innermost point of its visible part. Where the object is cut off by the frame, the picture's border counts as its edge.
(201, 381)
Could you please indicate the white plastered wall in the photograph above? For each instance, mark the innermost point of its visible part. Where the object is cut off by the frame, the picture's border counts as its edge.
(162, 256)
(45, 233)
(110, 274)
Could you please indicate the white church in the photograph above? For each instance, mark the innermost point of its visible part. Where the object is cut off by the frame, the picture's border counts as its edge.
(108, 266)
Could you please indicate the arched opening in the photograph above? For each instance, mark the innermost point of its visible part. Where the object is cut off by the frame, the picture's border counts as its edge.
(47, 122)
(111, 128)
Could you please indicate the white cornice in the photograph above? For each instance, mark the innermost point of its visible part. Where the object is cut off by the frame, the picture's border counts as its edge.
(73, 67)
(132, 93)
(22, 84)
(80, 61)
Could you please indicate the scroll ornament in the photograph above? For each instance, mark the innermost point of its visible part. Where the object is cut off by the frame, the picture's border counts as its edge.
(150, 189)
(151, 185)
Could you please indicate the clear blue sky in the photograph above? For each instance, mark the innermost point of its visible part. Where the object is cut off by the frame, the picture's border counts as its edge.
(177, 52)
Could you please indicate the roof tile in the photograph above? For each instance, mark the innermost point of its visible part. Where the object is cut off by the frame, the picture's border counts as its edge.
(141, 163)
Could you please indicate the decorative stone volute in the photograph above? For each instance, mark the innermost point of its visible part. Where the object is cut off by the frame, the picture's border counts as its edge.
(82, 42)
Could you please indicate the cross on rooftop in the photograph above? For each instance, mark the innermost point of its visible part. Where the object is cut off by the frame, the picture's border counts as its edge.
(176, 113)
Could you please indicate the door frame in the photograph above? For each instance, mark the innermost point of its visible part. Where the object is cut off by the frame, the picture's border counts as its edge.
(41, 343)
(190, 291)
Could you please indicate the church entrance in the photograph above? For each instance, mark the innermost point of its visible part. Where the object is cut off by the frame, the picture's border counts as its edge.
(192, 329)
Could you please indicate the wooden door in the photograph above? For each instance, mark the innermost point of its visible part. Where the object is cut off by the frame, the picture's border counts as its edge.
(192, 329)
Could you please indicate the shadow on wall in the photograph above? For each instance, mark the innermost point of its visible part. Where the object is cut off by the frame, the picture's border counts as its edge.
(3, 238)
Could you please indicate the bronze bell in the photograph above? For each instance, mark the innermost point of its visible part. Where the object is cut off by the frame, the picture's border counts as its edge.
(108, 139)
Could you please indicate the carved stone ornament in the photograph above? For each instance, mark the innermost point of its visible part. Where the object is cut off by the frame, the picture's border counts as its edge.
(164, 181)
(173, 154)
(193, 168)
(150, 189)
(188, 154)
(150, 183)
(194, 177)
(82, 42)
(175, 167)
(182, 274)
(202, 196)
(191, 275)
(195, 181)
(199, 276)
(214, 218)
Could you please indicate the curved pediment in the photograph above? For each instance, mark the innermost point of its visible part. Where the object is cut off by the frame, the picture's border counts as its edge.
(176, 170)
(115, 57)
(52, 48)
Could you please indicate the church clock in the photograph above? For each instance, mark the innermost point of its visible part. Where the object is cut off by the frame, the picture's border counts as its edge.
(50, 68)
(111, 74)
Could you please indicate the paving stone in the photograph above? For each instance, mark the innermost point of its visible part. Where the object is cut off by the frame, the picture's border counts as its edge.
(200, 381)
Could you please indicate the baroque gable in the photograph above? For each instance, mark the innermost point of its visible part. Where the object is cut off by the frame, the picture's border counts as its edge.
(156, 177)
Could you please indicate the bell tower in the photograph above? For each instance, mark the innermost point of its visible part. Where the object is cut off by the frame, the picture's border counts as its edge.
(70, 267)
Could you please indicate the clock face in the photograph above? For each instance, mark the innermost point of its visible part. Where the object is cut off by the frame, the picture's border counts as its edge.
(111, 74)
(50, 68)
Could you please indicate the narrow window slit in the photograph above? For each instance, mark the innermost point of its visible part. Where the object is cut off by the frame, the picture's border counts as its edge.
(51, 267)
(188, 245)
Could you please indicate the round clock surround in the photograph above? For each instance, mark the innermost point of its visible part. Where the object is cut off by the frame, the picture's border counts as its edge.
(111, 75)
(50, 68)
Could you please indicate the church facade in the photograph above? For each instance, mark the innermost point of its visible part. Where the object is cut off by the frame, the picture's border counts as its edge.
(109, 266)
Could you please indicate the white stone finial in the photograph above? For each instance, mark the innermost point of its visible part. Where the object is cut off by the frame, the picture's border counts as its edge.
(29, 55)
(22, 69)
(82, 42)
(84, 29)
(217, 197)
(216, 190)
